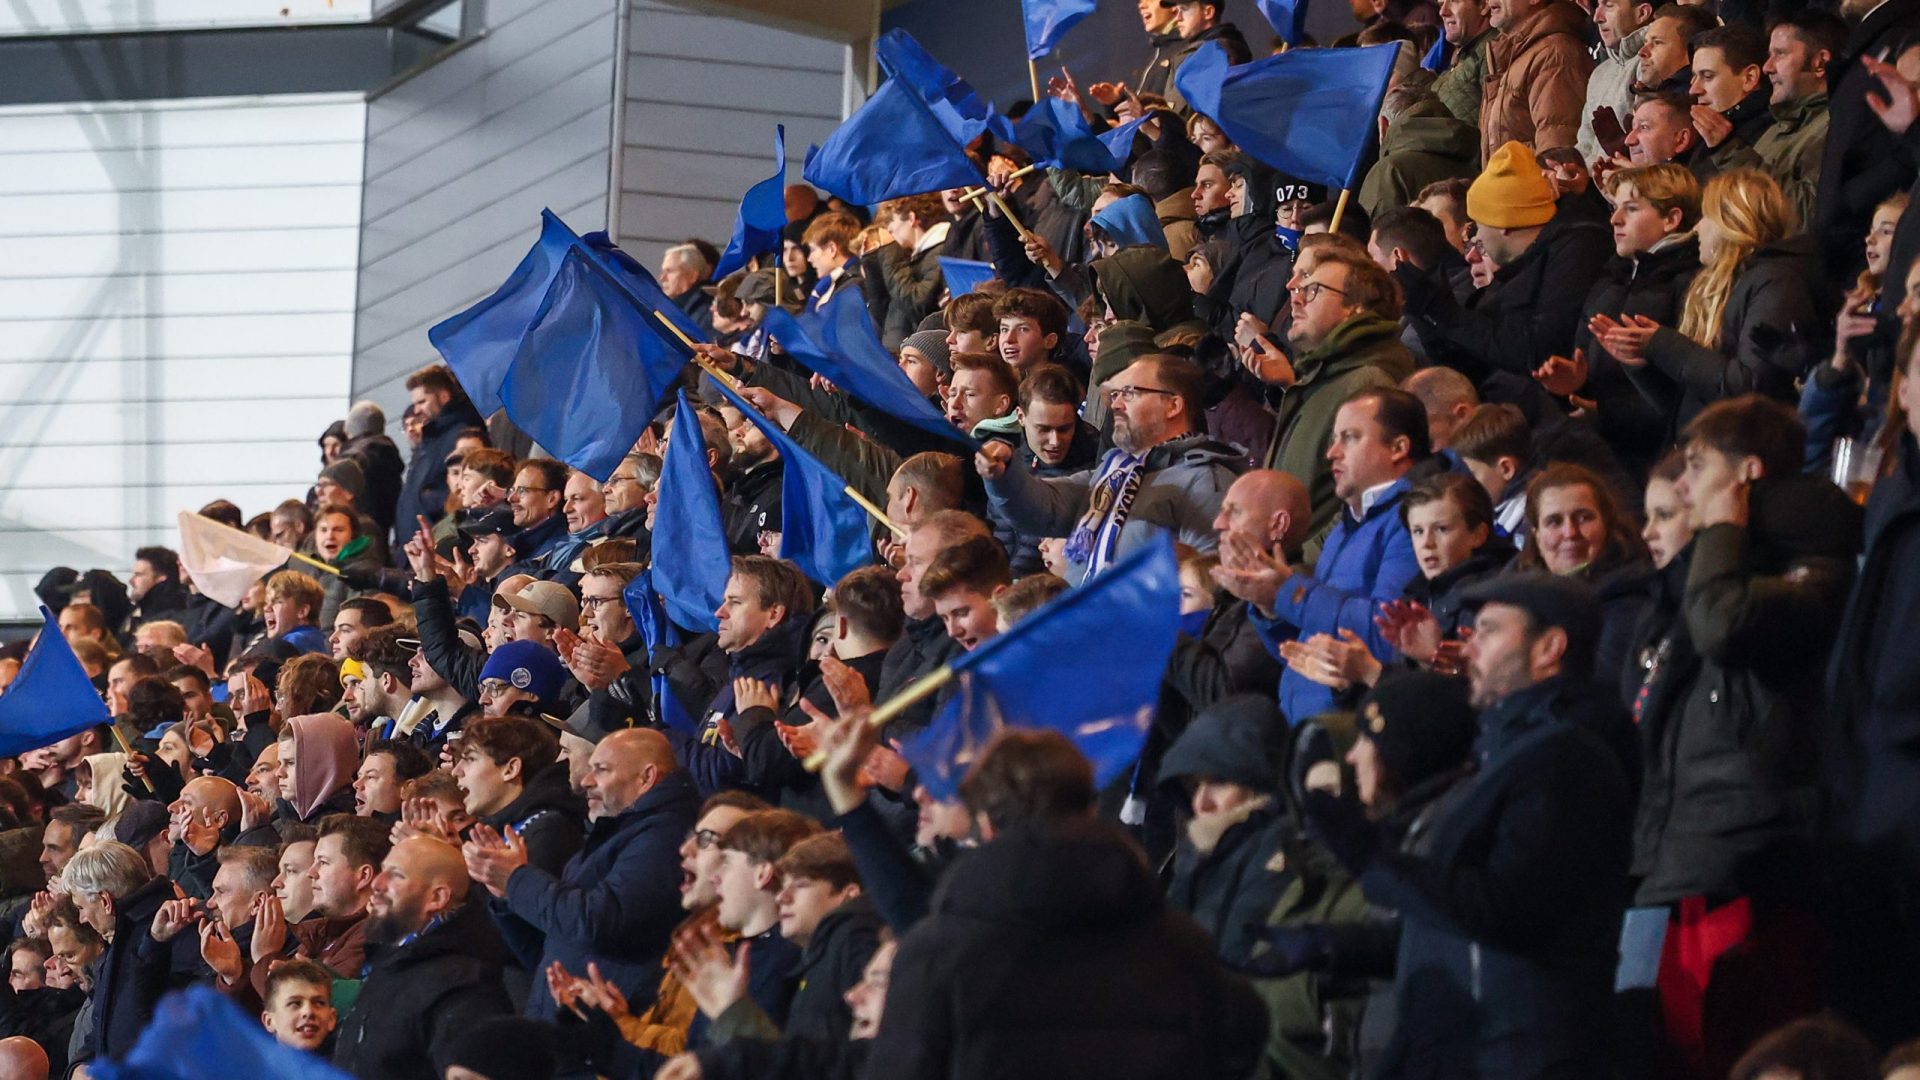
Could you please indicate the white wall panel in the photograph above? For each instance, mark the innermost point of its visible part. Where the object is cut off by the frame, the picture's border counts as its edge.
(177, 287)
(20, 18)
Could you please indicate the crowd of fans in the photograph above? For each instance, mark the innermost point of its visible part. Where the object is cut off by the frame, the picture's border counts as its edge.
(1549, 520)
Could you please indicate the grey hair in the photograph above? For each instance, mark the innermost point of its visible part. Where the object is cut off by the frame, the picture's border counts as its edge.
(687, 253)
(365, 418)
(109, 867)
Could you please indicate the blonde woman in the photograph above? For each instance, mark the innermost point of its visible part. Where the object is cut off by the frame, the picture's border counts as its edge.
(1752, 321)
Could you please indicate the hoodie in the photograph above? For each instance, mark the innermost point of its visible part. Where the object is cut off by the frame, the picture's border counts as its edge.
(1423, 145)
(1143, 284)
(326, 754)
(1131, 221)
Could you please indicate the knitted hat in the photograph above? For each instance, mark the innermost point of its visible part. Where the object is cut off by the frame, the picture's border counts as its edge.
(932, 345)
(529, 666)
(1511, 192)
(1238, 738)
(1420, 723)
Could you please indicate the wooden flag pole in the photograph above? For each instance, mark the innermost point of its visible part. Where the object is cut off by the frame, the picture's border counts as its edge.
(1033, 73)
(917, 691)
(1025, 233)
(128, 751)
(976, 194)
(1340, 209)
(878, 514)
(319, 565)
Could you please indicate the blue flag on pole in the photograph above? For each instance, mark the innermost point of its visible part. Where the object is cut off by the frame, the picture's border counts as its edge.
(953, 101)
(1288, 17)
(643, 605)
(822, 530)
(1041, 674)
(1057, 136)
(197, 1034)
(591, 369)
(763, 214)
(964, 275)
(1307, 112)
(1049, 20)
(479, 344)
(51, 698)
(838, 344)
(691, 569)
(1436, 58)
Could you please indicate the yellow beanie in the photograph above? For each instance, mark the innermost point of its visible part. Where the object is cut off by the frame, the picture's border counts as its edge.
(353, 669)
(1511, 192)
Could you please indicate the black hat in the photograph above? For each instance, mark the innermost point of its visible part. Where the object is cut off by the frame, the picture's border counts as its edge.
(1237, 738)
(140, 822)
(52, 589)
(1420, 723)
(1549, 600)
(493, 521)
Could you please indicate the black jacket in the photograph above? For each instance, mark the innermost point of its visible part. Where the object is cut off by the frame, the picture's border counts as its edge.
(385, 473)
(1510, 920)
(1863, 162)
(752, 503)
(834, 960)
(423, 490)
(417, 998)
(1525, 315)
(770, 766)
(1050, 953)
(548, 816)
(775, 658)
(902, 288)
(1023, 549)
(1230, 39)
(924, 645)
(132, 975)
(1156, 78)
(440, 640)
(1734, 697)
(1636, 415)
(46, 1016)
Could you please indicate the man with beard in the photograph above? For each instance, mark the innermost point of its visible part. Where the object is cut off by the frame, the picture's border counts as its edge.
(346, 859)
(433, 966)
(751, 503)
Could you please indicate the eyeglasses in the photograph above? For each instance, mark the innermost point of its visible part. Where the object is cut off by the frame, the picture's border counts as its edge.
(1131, 394)
(1311, 291)
(594, 603)
(618, 479)
(517, 490)
(703, 839)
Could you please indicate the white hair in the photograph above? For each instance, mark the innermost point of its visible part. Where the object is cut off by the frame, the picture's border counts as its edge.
(109, 867)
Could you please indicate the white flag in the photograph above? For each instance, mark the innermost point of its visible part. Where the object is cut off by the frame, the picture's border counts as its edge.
(224, 562)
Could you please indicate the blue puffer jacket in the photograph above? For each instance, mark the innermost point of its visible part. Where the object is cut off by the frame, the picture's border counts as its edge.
(618, 900)
(1364, 564)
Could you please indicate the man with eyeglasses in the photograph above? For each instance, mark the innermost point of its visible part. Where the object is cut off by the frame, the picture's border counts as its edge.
(585, 510)
(535, 497)
(1345, 338)
(1163, 475)
(624, 495)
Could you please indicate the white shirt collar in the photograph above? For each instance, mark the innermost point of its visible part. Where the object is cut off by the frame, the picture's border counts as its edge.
(932, 238)
(1373, 495)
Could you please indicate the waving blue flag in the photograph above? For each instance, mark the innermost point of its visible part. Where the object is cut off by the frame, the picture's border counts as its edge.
(953, 101)
(635, 279)
(1042, 674)
(643, 605)
(838, 343)
(197, 1034)
(479, 343)
(762, 216)
(822, 530)
(591, 370)
(1131, 220)
(691, 569)
(1436, 58)
(1049, 20)
(1057, 136)
(964, 275)
(51, 698)
(1307, 112)
(1288, 17)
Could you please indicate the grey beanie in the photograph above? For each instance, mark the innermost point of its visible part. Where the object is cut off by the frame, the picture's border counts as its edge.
(932, 345)
(347, 473)
(365, 418)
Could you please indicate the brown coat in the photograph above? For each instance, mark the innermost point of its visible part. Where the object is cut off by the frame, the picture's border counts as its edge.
(1536, 81)
(340, 945)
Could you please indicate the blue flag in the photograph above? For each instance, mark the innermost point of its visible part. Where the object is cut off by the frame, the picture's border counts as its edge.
(1057, 136)
(1308, 112)
(1131, 220)
(890, 148)
(1436, 58)
(1049, 20)
(692, 568)
(964, 275)
(763, 214)
(954, 103)
(1042, 674)
(51, 698)
(1288, 17)
(591, 369)
(643, 605)
(479, 343)
(197, 1034)
(822, 530)
(635, 279)
(838, 343)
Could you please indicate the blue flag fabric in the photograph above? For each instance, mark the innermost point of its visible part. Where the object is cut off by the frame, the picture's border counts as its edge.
(1057, 136)
(954, 102)
(591, 369)
(964, 275)
(822, 530)
(1308, 112)
(762, 216)
(1041, 674)
(1130, 221)
(643, 605)
(479, 343)
(51, 698)
(1288, 17)
(1436, 58)
(691, 571)
(635, 279)
(1049, 20)
(197, 1034)
(839, 344)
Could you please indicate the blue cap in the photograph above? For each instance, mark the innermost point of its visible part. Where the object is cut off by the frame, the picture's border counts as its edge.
(528, 666)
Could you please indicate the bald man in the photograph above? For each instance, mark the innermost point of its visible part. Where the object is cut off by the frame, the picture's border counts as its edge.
(1449, 398)
(209, 815)
(433, 967)
(22, 1059)
(618, 901)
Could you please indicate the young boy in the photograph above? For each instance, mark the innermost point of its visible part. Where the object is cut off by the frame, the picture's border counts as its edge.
(962, 582)
(299, 1007)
